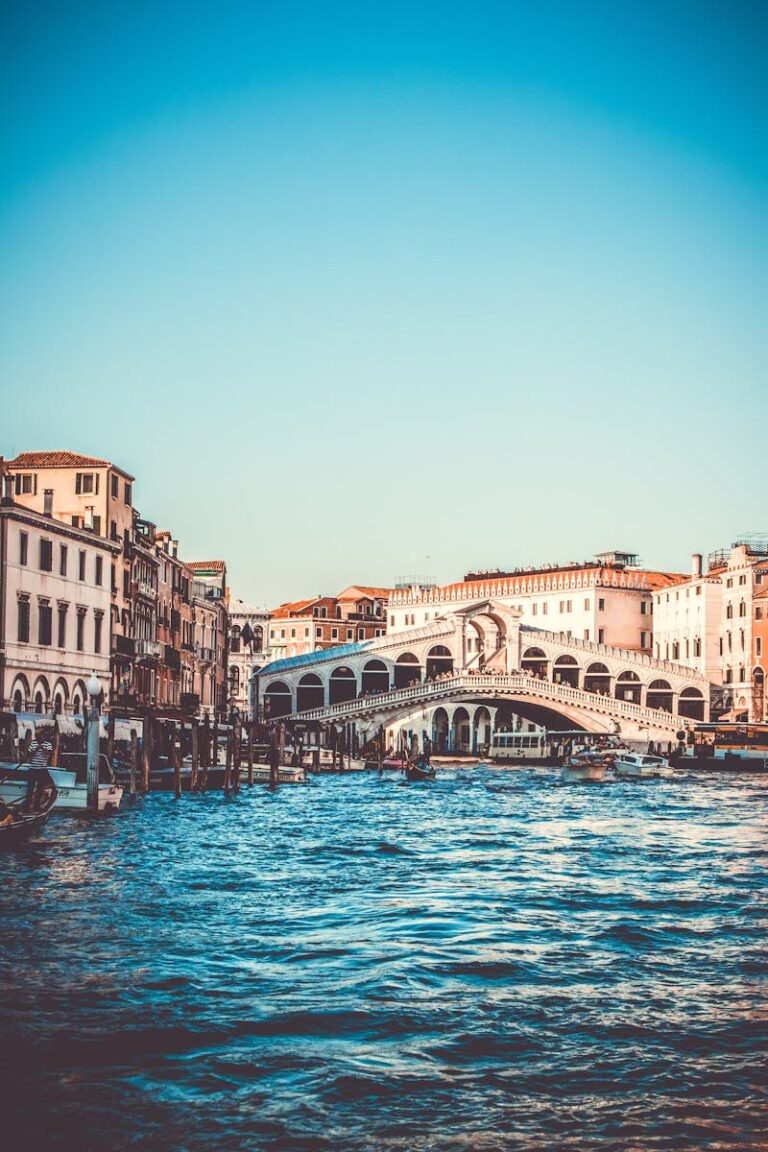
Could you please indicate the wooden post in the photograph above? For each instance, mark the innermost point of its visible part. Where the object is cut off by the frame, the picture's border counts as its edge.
(273, 756)
(238, 754)
(195, 759)
(228, 765)
(206, 752)
(214, 757)
(110, 738)
(146, 753)
(175, 751)
(134, 757)
(380, 743)
(250, 753)
(54, 762)
(334, 743)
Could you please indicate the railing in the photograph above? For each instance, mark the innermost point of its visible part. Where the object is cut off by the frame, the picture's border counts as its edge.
(628, 655)
(207, 655)
(148, 649)
(144, 588)
(507, 684)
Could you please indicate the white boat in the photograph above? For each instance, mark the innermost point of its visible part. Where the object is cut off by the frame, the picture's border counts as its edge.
(640, 766)
(327, 763)
(585, 766)
(71, 785)
(285, 775)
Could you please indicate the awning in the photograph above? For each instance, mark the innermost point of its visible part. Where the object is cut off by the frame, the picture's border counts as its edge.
(735, 716)
(69, 726)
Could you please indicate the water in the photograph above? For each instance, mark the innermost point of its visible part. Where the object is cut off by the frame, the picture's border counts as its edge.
(493, 961)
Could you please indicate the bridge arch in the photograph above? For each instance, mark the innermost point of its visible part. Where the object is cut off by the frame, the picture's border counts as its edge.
(310, 692)
(278, 699)
(342, 685)
(565, 670)
(440, 727)
(439, 661)
(407, 669)
(691, 704)
(628, 686)
(374, 677)
(597, 678)
(535, 661)
(481, 728)
(660, 695)
(462, 730)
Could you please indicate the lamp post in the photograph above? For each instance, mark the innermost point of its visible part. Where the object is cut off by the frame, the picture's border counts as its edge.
(93, 688)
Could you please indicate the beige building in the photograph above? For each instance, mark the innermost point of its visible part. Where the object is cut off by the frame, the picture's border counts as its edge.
(55, 602)
(96, 495)
(687, 617)
(745, 576)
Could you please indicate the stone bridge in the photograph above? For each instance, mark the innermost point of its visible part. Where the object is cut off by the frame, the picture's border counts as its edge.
(483, 655)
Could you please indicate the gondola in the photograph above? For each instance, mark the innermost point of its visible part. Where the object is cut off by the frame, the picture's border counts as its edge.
(419, 770)
(24, 817)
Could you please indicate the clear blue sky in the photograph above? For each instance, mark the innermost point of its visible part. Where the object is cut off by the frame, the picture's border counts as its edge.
(344, 284)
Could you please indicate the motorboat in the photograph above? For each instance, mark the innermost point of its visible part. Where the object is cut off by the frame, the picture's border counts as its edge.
(21, 818)
(640, 766)
(286, 774)
(70, 780)
(323, 760)
(588, 766)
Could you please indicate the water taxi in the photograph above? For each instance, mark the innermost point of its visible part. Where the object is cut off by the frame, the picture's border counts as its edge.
(70, 779)
(640, 766)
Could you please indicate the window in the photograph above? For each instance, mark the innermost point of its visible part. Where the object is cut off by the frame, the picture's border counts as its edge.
(318, 633)
(306, 634)
(586, 633)
(601, 635)
(729, 583)
(44, 622)
(569, 605)
(46, 556)
(562, 606)
(758, 646)
(80, 629)
(675, 651)
(62, 559)
(350, 634)
(334, 633)
(643, 639)
(742, 609)
(113, 532)
(587, 604)
(758, 613)
(729, 612)
(23, 624)
(742, 579)
(81, 565)
(293, 633)
(97, 525)
(728, 678)
(643, 608)
(535, 609)
(115, 486)
(392, 620)
(99, 569)
(128, 494)
(23, 547)
(697, 647)
(544, 609)
(86, 483)
(758, 578)
(26, 485)
(97, 623)
(601, 604)
(698, 589)
(62, 636)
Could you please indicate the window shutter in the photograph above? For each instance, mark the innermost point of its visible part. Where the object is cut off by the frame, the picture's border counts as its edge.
(97, 483)
(78, 483)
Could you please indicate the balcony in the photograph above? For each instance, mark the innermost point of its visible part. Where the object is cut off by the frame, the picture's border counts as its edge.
(175, 620)
(172, 658)
(148, 650)
(144, 588)
(190, 702)
(124, 646)
(207, 655)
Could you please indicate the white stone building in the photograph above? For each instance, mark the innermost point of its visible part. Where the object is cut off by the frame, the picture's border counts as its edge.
(605, 601)
(744, 576)
(248, 650)
(55, 621)
(687, 618)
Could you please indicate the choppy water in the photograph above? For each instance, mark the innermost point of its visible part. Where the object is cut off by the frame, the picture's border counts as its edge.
(493, 961)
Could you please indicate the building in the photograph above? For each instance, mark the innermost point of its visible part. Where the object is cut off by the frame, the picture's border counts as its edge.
(745, 577)
(211, 633)
(608, 600)
(248, 650)
(358, 613)
(687, 619)
(760, 651)
(55, 600)
(95, 495)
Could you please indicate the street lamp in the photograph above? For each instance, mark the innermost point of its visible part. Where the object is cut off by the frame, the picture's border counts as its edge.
(93, 688)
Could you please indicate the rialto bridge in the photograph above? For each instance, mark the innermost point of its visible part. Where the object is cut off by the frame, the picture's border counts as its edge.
(475, 670)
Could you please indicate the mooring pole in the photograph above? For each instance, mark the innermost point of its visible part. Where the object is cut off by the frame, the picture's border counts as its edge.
(134, 757)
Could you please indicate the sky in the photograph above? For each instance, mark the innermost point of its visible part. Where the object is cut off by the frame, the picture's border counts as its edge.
(365, 290)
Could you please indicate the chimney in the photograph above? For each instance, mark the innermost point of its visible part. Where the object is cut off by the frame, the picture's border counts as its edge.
(48, 502)
(9, 484)
(697, 561)
(175, 547)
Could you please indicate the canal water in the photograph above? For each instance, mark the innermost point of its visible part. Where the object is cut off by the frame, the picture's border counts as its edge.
(492, 961)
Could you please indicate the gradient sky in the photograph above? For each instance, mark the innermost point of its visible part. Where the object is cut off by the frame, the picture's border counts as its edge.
(362, 289)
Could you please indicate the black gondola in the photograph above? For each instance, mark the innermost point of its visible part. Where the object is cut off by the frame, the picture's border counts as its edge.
(420, 769)
(22, 818)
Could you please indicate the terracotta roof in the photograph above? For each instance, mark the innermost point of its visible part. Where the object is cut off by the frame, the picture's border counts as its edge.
(206, 565)
(355, 591)
(293, 608)
(61, 459)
